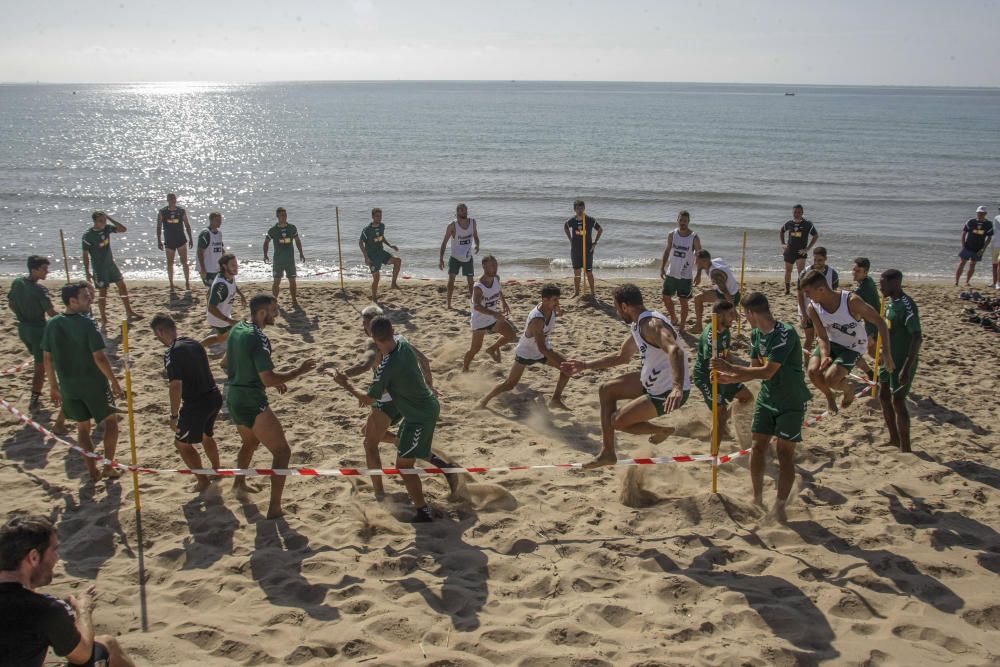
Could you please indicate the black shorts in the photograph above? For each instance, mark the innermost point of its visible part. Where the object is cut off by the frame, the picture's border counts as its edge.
(98, 658)
(576, 254)
(197, 419)
(174, 244)
(793, 256)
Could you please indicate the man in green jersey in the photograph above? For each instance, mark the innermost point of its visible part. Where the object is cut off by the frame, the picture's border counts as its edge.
(80, 375)
(283, 235)
(776, 360)
(399, 375)
(904, 332)
(30, 302)
(868, 291)
(97, 256)
(372, 244)
(725, 314)
(250, 370)
(211, 248)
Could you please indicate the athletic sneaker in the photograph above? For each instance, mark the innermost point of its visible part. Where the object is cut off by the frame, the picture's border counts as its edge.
(423, 515)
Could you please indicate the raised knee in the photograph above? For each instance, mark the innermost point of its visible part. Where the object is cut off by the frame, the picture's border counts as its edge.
(604, 390)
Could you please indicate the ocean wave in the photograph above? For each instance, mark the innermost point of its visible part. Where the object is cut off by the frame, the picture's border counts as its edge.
(611, 263)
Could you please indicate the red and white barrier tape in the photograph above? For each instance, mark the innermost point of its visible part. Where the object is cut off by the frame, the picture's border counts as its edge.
(353, 472)
(17, 369)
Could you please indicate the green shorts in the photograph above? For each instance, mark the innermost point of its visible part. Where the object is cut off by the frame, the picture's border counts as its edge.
(415, 439)
(390, 410)
(892, 379)
(871, 330)
(378, 259)
(98, 404)
(283, 268)
(222, 330)
(209, 278)
(660, 400)
(840, 355)
(106, 277)
(786, 424)
(454, 265)
(737, 298)
(727, 392)
(679, 287)
(31, 336)
(245, 404)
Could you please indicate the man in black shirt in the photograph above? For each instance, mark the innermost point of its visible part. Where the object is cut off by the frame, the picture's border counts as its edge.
(798, 236)
(191, 380)
(976, 235)
(580, 228)
(31, 622)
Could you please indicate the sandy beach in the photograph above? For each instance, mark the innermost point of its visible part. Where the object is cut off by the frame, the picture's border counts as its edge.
(887, 559)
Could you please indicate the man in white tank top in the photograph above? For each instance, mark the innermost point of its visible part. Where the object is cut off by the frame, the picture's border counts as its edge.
(489, 314)
(723, 285)
(211, 248)
(661, 386)
(677, 268)
(534, 347)
(838, 320)
(222, 293)
(464, 244)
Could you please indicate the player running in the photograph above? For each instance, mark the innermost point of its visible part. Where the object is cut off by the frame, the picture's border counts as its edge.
(894, 383)
(173, 234)
(464, 244)
(211, 248)
(223, 292)
(724, 286)
(97, 252)
(725, 313)
(372, 244)
(489, 314)
(677, 267)
(283, 234)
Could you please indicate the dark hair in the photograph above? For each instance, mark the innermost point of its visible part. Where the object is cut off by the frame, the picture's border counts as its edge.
(813, 279)
(683, 214)
(579, 202)
(259, 302)
(171, 194)
(381, 328)
(20, 535)
(703, 254)
(72, 290)
(461, 205)
(214, 215)
(37, 262)
(864, 263)
(628, 294)
(225, 259)
(798, 206)
(892, 274)
(163, 321)
(819, 250)
(550, 290)
(95, 215)
(376, 210)
(756, 302)
(722, 306)
(280, 209)
(488, 258)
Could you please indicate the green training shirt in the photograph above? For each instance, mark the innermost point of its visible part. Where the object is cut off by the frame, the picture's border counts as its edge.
(786, 389)
(71, 340)
(249, 353)
(29, 300)
(373, 238)
(399, 375)
(98, 244)
(702, 364)
(282, 237)
(904, 321)
(868, 292)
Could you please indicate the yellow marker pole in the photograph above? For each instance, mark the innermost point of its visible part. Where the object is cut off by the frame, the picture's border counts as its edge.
(878, 350)
(62, 239)
(144, 620)
(340, 250)
(715, 406)
(743, 266)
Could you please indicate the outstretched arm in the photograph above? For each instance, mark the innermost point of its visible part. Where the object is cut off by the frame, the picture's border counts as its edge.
(626, 352)
(859, 308)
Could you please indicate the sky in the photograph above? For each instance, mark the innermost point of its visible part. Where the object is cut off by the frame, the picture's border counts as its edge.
(846, 42)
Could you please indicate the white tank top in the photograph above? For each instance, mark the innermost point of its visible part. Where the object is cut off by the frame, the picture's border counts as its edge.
(841, 327)
(679, 264)
(491, 300)
(214, 252)
(527, 348)
(226, 306)
(657, 372)
(461, 242)
(732, 285)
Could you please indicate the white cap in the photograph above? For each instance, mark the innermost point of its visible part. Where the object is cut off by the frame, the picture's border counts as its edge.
(981, 209)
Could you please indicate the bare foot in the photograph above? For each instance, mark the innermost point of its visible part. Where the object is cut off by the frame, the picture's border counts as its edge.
(601, 461)
(831, 405)
(111, 472)
(759, 502)
(664, 433)
(394, 286)
(59, 428)
(274, 512)
(779, 512)
(892, 443)
(557, 403)
(243, 489)
(481, 405)
(495, 353)
(202, 485)
(95, 473)
(134, 316)
(847, 398)
(905, 450)
(295, 305)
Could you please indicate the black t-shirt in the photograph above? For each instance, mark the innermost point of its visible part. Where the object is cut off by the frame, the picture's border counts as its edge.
(173, 225)
(32, 622)
(978, 233)
(186, 361)
(574, 226)
(797, 234)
